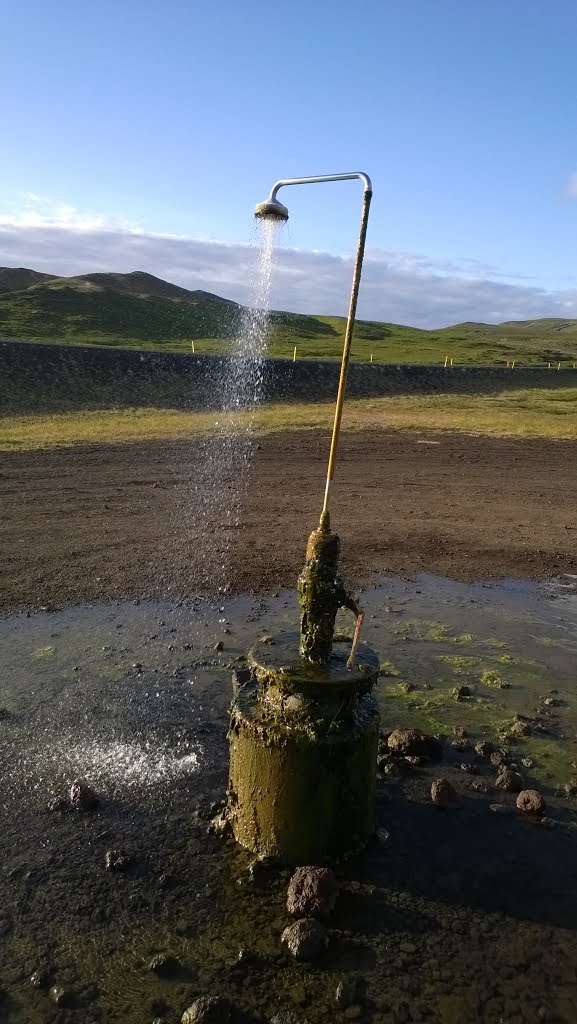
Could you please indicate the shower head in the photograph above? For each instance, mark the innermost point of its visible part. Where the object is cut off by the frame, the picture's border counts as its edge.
(271, 209)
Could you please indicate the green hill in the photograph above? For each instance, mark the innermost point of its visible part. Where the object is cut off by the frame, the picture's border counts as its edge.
(13, 279)
(143, 311)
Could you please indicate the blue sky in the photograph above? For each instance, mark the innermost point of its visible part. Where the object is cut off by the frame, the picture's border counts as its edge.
(173, 119)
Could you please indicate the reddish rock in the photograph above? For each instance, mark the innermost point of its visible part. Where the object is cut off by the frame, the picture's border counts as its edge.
(531, 802)
(414, 743)
(312, 892)
(443, 794)
(509, 781)
(305, 939)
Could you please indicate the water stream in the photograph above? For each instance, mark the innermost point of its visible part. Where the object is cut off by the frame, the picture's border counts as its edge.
(215, 507)
(449, 918)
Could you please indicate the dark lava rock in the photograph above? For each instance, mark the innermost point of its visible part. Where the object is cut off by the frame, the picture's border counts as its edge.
(471, 769)
(219, 646)
(413, 761)
(460, 732)
(305, 939)
(509, 780)
(287, 1017)
(520, 729)
(60, 996)
(497, 759)
(164, 965)
(207, 1010)
(383, 760)
(349, 993)
(82, 796)
(391, 769)
(118, 860)
(571, 787)
(461, 746)
(500, 808)
(443, 794)
(58, 804)
(531, 802)
(39, 979)
(414, 743)
(483, 748)
(480, 786)
(312, 892)
(460, 692)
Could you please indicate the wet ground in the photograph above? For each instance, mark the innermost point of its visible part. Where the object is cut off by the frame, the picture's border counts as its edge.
(468, 915)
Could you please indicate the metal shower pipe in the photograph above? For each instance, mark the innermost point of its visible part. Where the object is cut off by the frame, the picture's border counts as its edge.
(273, 208)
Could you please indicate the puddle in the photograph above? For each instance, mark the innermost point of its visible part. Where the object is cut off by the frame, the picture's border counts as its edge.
(459, 917)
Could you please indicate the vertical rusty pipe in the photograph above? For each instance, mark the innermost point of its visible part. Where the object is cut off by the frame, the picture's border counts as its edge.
(325, 516)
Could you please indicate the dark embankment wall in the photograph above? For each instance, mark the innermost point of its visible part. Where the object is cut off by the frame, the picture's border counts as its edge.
(36, 377)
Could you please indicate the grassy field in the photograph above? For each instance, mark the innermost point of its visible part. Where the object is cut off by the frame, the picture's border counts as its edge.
(140, 311)
(531, 413)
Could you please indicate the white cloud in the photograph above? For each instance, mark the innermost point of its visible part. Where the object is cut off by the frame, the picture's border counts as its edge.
(396, 286)
(571, 188)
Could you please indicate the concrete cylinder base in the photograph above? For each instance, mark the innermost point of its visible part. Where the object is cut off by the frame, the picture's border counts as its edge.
(303, 751)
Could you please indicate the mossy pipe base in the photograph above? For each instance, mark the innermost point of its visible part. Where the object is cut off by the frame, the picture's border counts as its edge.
(302, 783)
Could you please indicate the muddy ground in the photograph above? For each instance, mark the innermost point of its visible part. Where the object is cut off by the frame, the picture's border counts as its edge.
(92, 523)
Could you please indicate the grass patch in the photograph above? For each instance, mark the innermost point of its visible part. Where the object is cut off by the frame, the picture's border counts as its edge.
(529, 413)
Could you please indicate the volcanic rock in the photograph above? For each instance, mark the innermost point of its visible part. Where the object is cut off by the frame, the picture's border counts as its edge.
(443, 794)
(118, 860)
(287, 1017)
(531, 802)
(305, 939)
(60, 996)
(520, 729)
(415, 743)
(312, 892)
(82, 796)
(483, 748)
(207, 1010)
(460, 692)
(349, 993)
(509, 780)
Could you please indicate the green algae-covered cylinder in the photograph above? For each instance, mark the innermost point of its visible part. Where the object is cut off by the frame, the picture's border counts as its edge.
(303, 749)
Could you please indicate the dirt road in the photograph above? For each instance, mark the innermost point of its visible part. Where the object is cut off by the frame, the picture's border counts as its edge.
(95, 523)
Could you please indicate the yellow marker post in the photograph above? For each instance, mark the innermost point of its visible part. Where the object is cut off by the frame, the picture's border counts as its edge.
(446, 361)
(513, 364)
(192, 343)
(371, 357)
(558, 366)
(295, 354)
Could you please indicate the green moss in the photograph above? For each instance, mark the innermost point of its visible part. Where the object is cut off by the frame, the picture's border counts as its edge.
(491, 678)
(44, 652)
(460, 664)
(387, 668)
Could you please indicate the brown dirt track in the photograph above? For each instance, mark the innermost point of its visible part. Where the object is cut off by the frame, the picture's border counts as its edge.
(94, 523)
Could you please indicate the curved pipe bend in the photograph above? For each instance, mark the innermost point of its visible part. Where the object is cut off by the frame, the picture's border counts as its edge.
(323, 177)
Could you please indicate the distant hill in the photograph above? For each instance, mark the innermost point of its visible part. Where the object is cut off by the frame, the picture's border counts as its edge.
(143, 311)
(13, 279)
